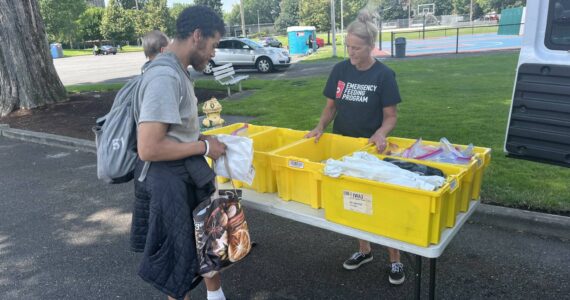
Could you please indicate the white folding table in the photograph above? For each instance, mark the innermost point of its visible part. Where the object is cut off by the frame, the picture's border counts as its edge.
(299, 212)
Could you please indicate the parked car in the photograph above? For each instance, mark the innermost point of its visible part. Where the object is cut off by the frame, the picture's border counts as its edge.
(245, 53)
(106, 49)
(320, 42)
(270, 42)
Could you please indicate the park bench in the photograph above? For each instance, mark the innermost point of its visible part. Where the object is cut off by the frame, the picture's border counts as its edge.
(225, 76)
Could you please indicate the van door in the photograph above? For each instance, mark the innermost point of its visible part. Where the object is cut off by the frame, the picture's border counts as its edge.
(539, 120)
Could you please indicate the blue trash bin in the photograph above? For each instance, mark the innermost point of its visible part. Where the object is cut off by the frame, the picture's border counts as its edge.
(56, 50)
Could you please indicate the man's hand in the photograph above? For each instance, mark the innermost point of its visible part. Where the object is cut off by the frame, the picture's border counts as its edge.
(217, 148)
(379, 140)
(316, 133)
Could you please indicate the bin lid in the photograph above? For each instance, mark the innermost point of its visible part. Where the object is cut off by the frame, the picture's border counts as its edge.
(400, 40)
(300, 28)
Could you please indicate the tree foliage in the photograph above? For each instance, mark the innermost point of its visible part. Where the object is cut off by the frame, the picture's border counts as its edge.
(174, 12)
(118, 24)
(156, 16)
(315, 13)
(216, 5)
(89, 24)
(289, 15)
(132, 4)
(498, 5)
(60, 18)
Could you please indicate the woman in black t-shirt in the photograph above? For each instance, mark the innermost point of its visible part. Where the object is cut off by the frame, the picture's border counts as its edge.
(362, 95)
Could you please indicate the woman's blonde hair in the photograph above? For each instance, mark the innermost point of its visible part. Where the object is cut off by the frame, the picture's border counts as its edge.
(364, 28)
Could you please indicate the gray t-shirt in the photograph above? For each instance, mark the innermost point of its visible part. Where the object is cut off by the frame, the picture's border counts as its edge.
(166, 95)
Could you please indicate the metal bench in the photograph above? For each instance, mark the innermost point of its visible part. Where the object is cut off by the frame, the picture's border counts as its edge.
(225, 76)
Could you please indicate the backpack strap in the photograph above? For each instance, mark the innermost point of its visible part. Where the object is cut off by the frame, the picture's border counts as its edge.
(144, 171)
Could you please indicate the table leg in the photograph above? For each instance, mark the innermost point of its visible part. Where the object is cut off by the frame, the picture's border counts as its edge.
(432, 262)
(418, 277)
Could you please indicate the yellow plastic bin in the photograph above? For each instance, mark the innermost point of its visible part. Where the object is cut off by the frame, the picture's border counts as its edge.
(459, 187)
(402, 213)
(251, 129)
(263, 143)
(485, 160)
(475, 169)
(299, 166)
(239, 129)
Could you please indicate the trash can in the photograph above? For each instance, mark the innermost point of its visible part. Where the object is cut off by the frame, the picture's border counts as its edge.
(56, 50)
(400, 47)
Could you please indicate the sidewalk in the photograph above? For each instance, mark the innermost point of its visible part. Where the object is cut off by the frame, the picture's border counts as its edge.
(64, 235)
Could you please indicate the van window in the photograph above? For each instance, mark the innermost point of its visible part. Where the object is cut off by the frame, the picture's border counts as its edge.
(558, 27)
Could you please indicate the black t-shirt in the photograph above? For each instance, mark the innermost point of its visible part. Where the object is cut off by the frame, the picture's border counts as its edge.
(360, 97)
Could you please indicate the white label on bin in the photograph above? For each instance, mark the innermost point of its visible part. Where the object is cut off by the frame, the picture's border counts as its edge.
(296, 164)
(357, 202)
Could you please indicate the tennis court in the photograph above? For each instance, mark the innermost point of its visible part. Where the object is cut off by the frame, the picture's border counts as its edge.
(451, 44)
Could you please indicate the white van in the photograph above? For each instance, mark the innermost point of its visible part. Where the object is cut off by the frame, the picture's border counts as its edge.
(539, 119)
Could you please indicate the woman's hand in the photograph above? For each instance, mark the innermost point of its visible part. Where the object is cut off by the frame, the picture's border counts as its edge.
(379, 140)
(316, 133)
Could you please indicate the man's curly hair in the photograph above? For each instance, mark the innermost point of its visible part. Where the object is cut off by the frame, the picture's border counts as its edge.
(199, 17)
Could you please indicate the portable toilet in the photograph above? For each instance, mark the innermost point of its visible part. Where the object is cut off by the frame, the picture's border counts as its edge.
(56, 50)
(299, 39)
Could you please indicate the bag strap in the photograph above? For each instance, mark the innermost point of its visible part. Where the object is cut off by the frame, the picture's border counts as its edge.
(228, 169)
(227, 166)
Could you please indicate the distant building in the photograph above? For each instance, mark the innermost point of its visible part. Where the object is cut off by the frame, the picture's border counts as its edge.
(98, 3)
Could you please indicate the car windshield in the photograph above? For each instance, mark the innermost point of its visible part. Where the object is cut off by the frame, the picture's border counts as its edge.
(251, 43)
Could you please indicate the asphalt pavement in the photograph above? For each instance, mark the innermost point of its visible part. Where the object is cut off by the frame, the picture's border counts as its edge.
(119, 68)
(64, 235)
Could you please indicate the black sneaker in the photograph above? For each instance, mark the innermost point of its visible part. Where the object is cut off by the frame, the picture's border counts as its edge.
(396, 274)
(356, 260)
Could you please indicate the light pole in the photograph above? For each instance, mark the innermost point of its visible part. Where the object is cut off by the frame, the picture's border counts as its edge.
(242, 18)
(342, 29)
(471, 12)
(333, 25)
(409, 13)
(258, 30)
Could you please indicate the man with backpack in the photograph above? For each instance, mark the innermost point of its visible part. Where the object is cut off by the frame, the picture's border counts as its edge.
(172, 176)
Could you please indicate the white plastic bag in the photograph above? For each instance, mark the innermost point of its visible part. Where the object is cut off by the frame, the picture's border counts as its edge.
(239, 153)
(364, 165)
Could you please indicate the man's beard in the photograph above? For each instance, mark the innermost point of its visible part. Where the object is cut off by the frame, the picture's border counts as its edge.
(196, 58)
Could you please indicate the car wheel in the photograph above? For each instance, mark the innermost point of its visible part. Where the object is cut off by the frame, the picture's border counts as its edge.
(208, 69)
(264, 65)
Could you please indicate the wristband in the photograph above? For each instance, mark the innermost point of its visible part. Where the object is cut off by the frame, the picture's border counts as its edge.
(207, 147)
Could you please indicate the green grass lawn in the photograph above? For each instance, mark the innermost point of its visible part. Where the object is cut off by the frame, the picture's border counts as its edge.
(464, 99)
(102, 87)
(81, 52)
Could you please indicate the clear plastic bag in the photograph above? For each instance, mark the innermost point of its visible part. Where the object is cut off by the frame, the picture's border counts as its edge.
(444, 152)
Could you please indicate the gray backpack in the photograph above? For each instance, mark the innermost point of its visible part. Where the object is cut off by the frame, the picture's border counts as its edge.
(116, 133)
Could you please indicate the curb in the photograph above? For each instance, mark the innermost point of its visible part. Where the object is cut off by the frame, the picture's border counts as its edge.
(498, 216)
(523, 221)
(47, 139)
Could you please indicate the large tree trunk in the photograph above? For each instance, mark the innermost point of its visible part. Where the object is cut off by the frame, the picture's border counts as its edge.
(27, 76)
